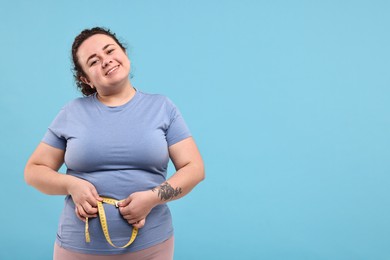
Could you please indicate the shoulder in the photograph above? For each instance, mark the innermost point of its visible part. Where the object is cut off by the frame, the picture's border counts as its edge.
(156, 99)
(152, 97)
(78, 103)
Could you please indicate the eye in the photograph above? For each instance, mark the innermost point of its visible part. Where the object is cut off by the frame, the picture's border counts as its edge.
(110, 50)
(93, 63)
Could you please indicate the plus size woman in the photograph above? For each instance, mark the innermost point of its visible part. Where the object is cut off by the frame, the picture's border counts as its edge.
(116, 142)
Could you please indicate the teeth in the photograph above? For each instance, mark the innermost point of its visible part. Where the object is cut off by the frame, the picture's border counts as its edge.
(111, 70)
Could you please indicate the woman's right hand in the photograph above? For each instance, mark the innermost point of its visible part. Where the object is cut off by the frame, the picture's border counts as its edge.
(41, 172)
(85, 197)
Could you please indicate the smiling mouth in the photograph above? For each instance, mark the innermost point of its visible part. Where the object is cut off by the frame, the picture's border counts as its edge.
(112, 70)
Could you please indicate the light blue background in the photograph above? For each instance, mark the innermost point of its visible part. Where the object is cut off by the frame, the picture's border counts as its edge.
(288, 100)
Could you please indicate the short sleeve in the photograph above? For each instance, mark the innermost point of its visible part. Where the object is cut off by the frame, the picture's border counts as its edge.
(55, 134)
(177, 129)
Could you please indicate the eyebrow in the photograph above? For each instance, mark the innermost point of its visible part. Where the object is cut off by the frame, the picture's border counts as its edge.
(94, 55)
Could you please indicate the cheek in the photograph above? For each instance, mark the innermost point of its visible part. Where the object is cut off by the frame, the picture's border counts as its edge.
(127, 63)
(124, 60)
(93, 75)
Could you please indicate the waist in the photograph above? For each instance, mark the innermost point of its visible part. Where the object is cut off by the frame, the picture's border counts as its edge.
(119, 184)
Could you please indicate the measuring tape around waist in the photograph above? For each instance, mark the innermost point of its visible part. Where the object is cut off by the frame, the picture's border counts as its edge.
(103, 222)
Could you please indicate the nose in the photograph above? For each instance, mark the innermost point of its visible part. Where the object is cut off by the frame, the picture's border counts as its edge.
(106, 62)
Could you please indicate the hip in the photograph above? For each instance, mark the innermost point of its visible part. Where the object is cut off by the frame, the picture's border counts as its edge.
(71, 230)
(163, 250)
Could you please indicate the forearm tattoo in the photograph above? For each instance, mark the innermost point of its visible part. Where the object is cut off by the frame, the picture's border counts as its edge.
(167, 192)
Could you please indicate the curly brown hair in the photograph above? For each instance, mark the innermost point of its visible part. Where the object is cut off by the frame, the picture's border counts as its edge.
(77, 69)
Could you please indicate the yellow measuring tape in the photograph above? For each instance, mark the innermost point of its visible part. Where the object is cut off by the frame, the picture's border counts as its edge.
(103, 222)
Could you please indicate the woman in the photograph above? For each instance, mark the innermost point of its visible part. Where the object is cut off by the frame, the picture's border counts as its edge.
(116, 142)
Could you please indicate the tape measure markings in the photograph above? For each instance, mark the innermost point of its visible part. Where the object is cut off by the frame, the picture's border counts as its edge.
(103, 222)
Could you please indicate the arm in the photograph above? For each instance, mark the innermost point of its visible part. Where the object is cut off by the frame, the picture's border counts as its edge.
(189, 172)
(41, 172)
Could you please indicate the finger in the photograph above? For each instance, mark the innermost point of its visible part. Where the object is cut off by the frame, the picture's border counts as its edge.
(84, 214)
(96, 196)
(89, 209)
(128, 217)
(140, 224)
(125, 202)
(133, 221)
(93, 198)
(125, 210)
(78, 215)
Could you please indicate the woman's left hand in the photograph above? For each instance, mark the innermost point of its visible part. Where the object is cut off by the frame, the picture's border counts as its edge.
(137, 206)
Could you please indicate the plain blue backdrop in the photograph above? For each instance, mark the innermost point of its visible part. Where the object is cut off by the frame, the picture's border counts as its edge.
(288, 101)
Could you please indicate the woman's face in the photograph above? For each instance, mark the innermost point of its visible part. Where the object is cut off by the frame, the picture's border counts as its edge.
(104, 62)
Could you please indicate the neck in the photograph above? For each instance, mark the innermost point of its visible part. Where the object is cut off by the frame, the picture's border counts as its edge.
(117, 98)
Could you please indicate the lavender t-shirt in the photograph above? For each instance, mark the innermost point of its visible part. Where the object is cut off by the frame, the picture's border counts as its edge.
(120, 150)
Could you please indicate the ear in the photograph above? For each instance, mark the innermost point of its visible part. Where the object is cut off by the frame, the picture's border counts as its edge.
(86, 81)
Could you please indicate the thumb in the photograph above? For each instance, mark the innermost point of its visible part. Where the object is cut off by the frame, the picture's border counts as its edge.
(125, 202)
(96, 195)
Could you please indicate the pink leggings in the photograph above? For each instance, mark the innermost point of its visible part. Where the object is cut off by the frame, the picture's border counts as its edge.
(162, 251)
